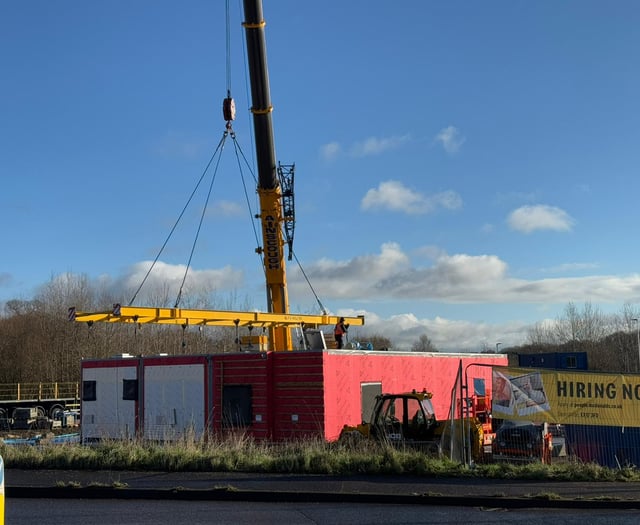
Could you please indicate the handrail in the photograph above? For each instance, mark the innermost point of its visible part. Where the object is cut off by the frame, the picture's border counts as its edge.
(39, 391)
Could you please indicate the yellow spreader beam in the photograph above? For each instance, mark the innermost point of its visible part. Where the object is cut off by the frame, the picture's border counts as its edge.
(188, 317)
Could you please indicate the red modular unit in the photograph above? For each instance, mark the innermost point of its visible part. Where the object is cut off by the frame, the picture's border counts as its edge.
(273, 395)
(346, 374)
(298, 399)
(240, 393)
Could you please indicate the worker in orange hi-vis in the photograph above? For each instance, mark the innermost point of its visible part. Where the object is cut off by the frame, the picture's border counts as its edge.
(547, 446)
(339, 332)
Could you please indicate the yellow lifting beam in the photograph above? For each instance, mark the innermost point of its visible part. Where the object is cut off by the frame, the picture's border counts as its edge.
(189, 317)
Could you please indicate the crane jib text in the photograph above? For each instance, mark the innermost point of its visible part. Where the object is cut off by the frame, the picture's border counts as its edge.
(272, 245)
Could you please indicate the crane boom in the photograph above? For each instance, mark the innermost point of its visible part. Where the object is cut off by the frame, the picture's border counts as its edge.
(269, 191)
(275, 189)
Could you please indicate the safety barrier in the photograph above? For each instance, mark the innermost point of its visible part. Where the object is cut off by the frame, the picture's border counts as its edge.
(37, 391)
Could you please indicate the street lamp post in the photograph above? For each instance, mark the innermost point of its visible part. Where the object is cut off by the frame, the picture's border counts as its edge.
(637, 321)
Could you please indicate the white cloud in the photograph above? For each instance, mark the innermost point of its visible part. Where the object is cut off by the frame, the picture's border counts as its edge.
(393, 195)
(459, 278)
(430, 252)
(390, 277)
(451, 139)
(330, 151)
(376, 146)
(226, 209)
(447, 335)
(570, 267)
(527, 219)
(346, 278)
(165, 280)
(366, 148)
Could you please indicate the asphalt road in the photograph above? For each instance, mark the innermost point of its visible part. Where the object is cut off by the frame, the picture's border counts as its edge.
(22, 511)
(270, 488)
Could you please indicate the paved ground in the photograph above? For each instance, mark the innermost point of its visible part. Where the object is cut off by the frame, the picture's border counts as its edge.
(269, 487)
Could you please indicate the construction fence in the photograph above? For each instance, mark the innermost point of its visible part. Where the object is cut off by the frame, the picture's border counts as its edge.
(552, 416)
(596, 414)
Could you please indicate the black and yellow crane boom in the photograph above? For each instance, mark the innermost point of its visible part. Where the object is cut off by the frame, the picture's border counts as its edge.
(269, 190)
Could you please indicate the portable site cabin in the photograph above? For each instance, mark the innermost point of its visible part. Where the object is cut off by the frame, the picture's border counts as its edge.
(271, 395)
(555, 360)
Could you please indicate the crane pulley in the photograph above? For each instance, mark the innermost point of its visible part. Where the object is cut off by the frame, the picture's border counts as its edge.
(228, 110)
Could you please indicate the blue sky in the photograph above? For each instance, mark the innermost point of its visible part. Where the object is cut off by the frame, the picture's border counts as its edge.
(463, 169)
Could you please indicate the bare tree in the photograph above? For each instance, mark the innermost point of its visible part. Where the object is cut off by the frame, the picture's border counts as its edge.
(542, 334)
(423, 344)
(588, 325)
(488, 349)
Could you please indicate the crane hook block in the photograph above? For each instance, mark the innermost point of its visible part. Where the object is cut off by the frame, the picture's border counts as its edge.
(229, 109)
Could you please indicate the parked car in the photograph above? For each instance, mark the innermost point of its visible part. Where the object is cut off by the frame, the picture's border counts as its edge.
(518, 440)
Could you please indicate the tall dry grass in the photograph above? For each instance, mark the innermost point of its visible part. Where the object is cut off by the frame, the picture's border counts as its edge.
(241, 453)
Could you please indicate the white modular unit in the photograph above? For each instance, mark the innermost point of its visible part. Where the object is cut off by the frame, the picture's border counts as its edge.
(109, 399)
(175, 397)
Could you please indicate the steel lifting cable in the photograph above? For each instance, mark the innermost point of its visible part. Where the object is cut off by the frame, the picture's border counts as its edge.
(322, 308)
(229, 114)
(228, 47)
(184, 209)
(240, 153)
(202, 215)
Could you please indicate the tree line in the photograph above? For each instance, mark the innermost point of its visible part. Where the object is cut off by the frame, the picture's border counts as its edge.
(39, 344)
(610, 341)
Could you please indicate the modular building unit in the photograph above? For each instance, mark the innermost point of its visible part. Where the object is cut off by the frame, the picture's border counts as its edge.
(241, 395)
(353, 378)
(176, 398)
(109, 406)
(298, 393)
(160, 398)
(555, 360)
(269, 395)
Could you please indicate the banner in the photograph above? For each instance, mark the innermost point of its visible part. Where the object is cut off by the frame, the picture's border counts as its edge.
(559, 396)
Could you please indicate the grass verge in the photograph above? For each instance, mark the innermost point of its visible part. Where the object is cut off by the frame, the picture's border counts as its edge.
(243, 454)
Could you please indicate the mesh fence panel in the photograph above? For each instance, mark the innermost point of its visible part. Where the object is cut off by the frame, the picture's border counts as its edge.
(555, 415)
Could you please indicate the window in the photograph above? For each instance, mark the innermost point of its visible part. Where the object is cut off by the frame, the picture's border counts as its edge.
(130, 389)
(571, 361)
(236, 406)
(88, 390)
